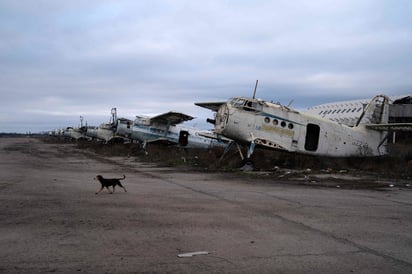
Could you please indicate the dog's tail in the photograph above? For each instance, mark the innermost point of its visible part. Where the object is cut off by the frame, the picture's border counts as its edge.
(124, 177)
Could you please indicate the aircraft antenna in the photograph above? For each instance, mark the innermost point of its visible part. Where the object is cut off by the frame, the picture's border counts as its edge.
(254, 92)
(114, 116)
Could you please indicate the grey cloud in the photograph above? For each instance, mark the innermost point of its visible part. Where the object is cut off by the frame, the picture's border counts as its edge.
(76, 57)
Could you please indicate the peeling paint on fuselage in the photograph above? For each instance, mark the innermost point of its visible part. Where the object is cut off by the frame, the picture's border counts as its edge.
(276, 126)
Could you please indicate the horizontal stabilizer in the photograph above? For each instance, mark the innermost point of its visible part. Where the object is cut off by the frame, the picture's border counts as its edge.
(391, 127)
(214, 106)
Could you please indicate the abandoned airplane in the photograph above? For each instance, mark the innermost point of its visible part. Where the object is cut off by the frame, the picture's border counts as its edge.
(106, 132)
(255, 122)
(74, 133)
(164, 128)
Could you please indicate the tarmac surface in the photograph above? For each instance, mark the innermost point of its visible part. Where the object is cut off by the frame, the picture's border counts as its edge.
(52, 221)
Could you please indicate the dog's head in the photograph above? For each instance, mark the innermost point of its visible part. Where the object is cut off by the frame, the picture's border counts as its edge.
(98, 177)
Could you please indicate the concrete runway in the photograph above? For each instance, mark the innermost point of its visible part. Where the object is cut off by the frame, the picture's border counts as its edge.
(52, 221)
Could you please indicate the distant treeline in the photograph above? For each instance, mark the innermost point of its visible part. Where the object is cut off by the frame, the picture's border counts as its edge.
(14, 134)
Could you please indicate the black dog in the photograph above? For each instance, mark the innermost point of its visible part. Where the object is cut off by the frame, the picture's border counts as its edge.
(109, 182)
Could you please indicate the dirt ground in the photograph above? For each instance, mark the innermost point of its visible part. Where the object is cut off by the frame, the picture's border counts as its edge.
(52, 221)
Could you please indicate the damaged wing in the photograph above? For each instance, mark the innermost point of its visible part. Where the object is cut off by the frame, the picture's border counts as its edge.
(214, 106)
(171, 118)
(391, 127)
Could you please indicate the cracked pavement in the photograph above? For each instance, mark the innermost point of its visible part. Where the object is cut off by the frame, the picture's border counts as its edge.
(51, 220)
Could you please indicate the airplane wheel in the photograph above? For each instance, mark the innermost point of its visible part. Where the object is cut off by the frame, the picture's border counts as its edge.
(247, 165)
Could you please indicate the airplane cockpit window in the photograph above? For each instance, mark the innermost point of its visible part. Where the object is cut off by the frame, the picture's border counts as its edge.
(248, 105)
(253, 106)
(238, 102)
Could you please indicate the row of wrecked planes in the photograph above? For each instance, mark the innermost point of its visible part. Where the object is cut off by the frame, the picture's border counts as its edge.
(164, 128)
(251, 122)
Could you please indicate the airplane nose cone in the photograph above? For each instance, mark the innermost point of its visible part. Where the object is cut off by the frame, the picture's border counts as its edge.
(222, 116)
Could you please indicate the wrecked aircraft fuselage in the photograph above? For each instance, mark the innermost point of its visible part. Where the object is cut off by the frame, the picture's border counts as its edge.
(256, 122)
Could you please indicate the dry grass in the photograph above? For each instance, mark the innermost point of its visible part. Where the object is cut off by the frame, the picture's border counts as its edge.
(397, 164)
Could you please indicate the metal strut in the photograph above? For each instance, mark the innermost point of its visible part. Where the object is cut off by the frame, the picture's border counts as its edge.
(228, 147)
(251, 147)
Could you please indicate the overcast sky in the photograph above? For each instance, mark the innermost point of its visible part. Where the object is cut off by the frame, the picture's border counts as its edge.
(63, 59)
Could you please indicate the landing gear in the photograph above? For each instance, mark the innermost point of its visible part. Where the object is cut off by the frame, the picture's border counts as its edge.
(251, 149)
(247, 164)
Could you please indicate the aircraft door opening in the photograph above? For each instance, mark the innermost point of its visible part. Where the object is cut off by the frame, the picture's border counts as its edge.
(312, 137)
(183, 138)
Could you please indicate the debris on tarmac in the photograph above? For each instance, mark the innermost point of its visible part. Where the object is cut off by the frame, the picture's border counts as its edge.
(191, 254)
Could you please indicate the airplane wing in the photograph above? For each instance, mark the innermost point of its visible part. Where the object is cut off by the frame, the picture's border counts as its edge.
(391, 127)
(214, 106)
(171, 117)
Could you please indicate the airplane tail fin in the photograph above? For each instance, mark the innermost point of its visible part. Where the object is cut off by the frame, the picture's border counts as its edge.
(376, 112)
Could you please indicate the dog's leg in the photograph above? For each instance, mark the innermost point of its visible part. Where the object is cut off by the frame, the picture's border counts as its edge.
(99, 190)
(113, 188)
(122, 187)
(108, 189)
